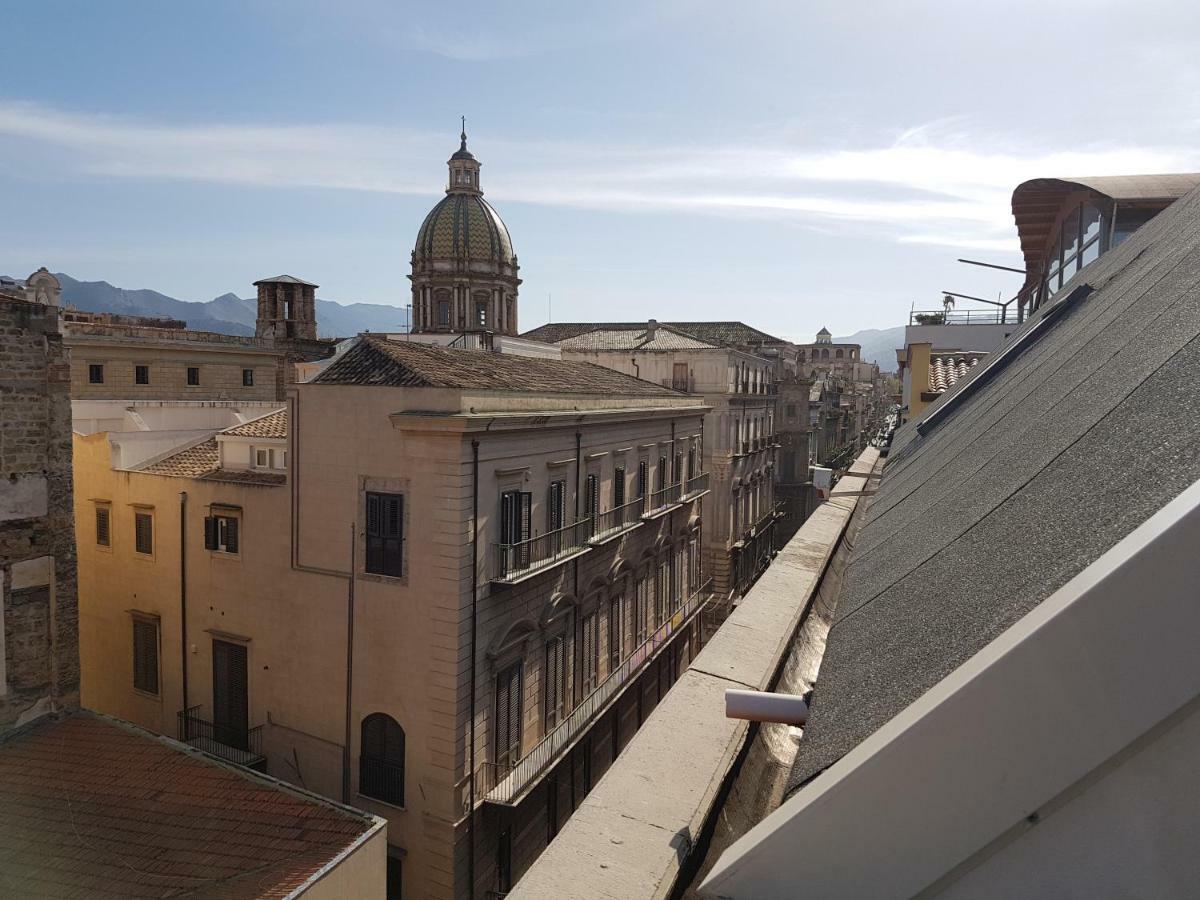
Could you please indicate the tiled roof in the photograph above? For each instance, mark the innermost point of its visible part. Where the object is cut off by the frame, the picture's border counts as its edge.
(286, 279)
(93, 807)
(730, 333)
(193, 462)
(272, 425)
(202, 460)
(945, 369)
(665, 338)
(378, 361)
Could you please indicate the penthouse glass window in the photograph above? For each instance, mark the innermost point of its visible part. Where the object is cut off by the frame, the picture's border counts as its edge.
(1079, 242)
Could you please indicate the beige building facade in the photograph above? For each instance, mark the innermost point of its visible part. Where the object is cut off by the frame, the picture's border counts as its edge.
(418, 521)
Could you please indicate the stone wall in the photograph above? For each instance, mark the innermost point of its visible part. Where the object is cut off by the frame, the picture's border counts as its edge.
(39, 648)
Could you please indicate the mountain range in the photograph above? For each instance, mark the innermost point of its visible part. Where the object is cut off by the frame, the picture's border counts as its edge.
(879, 345)
(228, 313)
(231, 314)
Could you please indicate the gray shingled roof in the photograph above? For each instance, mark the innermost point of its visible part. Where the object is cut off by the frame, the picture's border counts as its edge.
(1077, 441)
(664, 338)
(729, 333)
(378, 361)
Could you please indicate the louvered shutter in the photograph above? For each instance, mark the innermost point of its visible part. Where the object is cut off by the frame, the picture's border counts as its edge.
(619, 487)
(590, 652)
(594, 495)
(508, 522)
(231, 534)
(614, 634)
(210, 533)
(145, 655)
(143, 533)
(231, 704)
(102, 526)
(508, 718)
(525, 526)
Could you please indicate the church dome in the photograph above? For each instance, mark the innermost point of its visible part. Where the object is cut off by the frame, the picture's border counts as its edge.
(464, 226)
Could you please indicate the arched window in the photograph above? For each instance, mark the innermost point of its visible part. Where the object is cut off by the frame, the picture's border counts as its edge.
(839, 354)
(381, 759)
(824, 354)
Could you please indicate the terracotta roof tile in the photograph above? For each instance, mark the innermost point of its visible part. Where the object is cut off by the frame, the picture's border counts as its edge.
(95, 807)
(729, 333)
(665, 338)
(272, 425)
(197, 460)
(945, 369)
(378, 361)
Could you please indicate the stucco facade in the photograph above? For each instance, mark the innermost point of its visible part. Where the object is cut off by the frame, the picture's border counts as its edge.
(286, 596)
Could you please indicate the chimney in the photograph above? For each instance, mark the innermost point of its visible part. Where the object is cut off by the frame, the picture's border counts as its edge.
(651, 327)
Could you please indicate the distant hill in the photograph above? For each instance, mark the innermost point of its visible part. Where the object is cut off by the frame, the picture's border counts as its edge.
(879, 345)
(228, 313)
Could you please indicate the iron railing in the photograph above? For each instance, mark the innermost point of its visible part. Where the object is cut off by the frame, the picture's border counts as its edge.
(618, 518)
(523, 557)
(231, 743)
(381, 779)
(506, 786)
(960, 317)
(697, 484)
(664, 497)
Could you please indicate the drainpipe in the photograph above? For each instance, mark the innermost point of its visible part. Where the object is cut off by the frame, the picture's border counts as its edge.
(183, 594)
(349, 667)
(474, 608)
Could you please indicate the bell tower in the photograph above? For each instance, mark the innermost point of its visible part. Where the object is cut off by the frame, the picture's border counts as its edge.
(287, 309)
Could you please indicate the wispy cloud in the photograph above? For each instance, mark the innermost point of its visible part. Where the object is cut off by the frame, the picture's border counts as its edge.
(931, 185)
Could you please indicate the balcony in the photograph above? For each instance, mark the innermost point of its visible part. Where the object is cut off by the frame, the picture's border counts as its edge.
(961, 317)
(524, 559)
(508, 787)
(662, 501)
(616, 521)
(242, 746)
(695, 487)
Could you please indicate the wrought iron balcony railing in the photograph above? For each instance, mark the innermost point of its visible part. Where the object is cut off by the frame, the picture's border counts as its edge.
(506, 786)
(663, 499)
(381, 779)
(234, 744)
(524, 558)
(697, 484)
(617, 520)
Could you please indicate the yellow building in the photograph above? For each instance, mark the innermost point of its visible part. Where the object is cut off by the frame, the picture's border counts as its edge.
(316, 591)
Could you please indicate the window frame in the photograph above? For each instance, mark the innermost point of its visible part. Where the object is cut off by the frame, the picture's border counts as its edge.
(141, 374)
(190, 379)
(389, 529)
(217, 529)
(95, 373)
(247, 378)
(143, 621)
(139, 513)
(103, 507)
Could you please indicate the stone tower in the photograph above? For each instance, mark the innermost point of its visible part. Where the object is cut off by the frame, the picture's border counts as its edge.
(464, 270)
(287, 309)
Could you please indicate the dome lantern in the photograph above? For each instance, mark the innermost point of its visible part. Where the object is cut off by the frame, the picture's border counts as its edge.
(464, 168)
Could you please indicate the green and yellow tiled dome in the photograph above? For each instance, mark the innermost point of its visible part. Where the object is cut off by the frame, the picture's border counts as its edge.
(464, 226)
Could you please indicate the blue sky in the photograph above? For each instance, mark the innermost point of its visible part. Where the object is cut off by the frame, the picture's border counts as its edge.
(791, 164)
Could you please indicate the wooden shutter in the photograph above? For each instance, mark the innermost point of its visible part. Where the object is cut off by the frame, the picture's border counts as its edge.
(231, 534)
(143, 533)
(558, 506)
(509, 525)
(619, 486)
(615, 634)
(643, 477)
(591, 651)
(592, 496)
(508, 718)
(555, 677)
(145, 655)
(231, 702)
(210, 532)
(103, 531)
(385, 534)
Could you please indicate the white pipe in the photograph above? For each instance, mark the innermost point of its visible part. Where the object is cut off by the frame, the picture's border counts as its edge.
(762, 706)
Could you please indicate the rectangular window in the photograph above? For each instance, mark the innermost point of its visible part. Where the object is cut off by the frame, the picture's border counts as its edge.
(385, 534)
(221, 533)
(515, 529)
(508, 718)
(481, 315)
(618, 487)
(141, 374)
(591, 497)
(591, 652)
(143, 532)
(616, 635)
(96, 373)
(443, 313)
(103, 525)
(679, 376)
(555, 682)
(247, 378)
(556, 509)
(643, 481)
(660, 475)
(678, 468)
(145, 654)
(691, 463)
(193, 375)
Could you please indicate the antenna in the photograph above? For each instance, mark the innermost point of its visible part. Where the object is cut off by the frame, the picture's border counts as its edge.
(549, 307)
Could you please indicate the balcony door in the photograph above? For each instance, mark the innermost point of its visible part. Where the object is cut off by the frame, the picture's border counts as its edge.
(231, 703)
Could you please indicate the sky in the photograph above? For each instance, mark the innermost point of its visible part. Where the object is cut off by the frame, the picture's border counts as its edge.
(791, 164)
